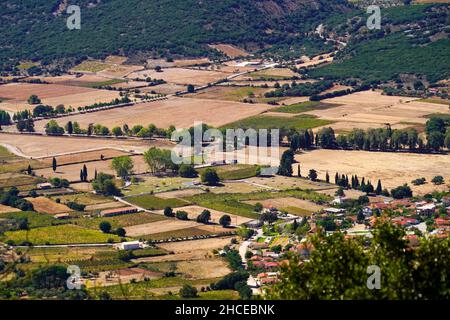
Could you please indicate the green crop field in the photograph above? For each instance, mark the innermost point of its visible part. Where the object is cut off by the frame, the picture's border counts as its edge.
(235, 172)
(151, 202)
(122, 221)
(304, 107)
(269, 122)
(35, 220)
(63, 234)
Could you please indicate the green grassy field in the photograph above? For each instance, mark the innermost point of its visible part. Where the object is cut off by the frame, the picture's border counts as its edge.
(63, 234)
(151, 202)
(103, 83)
(35, 220)
(269, 122)
(303, 107)
(235, 172)
(233, 203)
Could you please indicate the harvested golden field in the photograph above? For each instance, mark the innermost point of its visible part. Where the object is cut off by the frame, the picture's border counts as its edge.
(230, 50)
(282, 183)
(6, 209)
(159, 227)
(180, 112)
(46, 146)
(45, 205)
(369, 109)
(393, 169)
(268, 74)
(85, 156)
(182, 76)
(203, 268)
(51, 94)
(308, 62)
(71, 172)
(194, 245)
(165, 88)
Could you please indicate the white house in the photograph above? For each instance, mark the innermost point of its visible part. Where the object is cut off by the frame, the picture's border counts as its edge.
(131, 245)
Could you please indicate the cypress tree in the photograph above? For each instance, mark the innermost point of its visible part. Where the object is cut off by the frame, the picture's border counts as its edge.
(327, 178)
(54, 164)
(336, 178)
(379, 187)
(85, 173)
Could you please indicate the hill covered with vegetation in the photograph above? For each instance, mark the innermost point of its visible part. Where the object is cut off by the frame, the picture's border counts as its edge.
(36, 30)
(413, 40)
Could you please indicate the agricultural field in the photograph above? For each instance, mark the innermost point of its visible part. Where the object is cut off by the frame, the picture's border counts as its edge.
(17, 95)
(235, 172)
(7, 209)
(371, 109)
(303, 107)
(161, 185)
(230, 50)
(230, 93)
(35, 220)
(71, 172)
(267, 122)
(63, 234)
(163, 226)
(48, 146)
(45, 205)
(291, 205)
(85, 156)
(393, 169)
(121, 221)
(152, 202)
(269, 74)
(180, 112)
(180, 76)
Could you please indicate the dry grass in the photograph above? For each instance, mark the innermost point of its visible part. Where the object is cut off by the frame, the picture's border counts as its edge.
(7, 209)
(46, 146)
(371, 109)
(51, 94)
(230, 50)
(181, 76)
(45, 205)
(71, 172)
(180, 112)
(159, 227)
(393, 169)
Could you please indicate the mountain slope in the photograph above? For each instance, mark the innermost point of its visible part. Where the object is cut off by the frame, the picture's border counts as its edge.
(37, 29)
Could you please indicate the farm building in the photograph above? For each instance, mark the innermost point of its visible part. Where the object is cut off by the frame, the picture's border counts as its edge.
(131, 245)
(118, 211)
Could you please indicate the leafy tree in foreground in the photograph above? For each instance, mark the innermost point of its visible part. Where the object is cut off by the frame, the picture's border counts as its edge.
(337, 268)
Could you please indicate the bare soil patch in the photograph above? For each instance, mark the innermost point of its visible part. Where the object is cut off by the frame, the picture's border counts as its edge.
(230, 50)
(6, 209)
(159, 227)
(45, 205)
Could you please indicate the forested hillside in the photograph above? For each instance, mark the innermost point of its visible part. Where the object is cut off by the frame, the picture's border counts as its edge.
(413, 39)
(36, 30)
